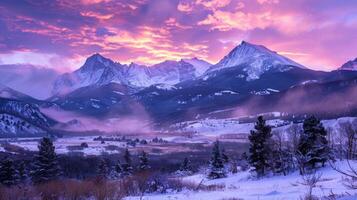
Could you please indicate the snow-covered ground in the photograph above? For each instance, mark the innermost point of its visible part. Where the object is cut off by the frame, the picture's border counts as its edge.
(243, 186)
(217, 127)
(63, 145)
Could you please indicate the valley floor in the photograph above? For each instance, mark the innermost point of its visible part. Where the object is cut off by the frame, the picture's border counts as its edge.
(243, 186)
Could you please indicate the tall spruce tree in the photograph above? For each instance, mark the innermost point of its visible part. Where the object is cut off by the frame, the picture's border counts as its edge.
(313, 144)
(144, 161)
(216, 164)
(127, 166)
(259, 149)
(45, 167)
(8, 173)
(225, 158)
(22, 171)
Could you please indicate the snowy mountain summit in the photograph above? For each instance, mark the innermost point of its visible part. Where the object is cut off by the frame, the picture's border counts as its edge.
(350, 65)
(98, 70)
(255, 60)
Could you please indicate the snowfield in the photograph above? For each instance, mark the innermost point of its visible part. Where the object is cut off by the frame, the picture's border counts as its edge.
(63, 145)
(217, 127)
(243, 186)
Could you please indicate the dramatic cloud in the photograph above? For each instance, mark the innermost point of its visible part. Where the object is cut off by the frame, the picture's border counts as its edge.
(61, 34)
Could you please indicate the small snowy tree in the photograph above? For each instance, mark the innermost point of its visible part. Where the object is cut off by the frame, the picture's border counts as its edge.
(144, 161)
(116, 171)
(216, 164)
(8, 173)
(259, 149)
(45, 167)
(127, 167)
(313, 144)
(185, 168)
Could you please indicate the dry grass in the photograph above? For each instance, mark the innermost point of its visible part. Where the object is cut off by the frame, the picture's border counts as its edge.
(102, 189)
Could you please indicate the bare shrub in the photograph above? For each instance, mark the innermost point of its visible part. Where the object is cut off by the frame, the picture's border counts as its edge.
(213, 187)
(310, 181)
(350, 179)
(349, 133)
(52, 190)
(17, 192)
(76, 190)
(106, 190)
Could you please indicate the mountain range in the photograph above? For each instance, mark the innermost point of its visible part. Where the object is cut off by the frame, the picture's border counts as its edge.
(250, 80)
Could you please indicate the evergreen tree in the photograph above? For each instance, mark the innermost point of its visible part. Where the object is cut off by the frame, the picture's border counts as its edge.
(216, 164)
(259, 149)
(118, 168)
(22, 171)
(225, 158)
(313, 144)
(185, 168)
(127, 167)
(45, 167)
(8, 173)
(103, 170)
(185, 165)
(144, 161)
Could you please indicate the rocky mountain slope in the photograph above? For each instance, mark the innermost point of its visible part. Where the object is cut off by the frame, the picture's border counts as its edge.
(99, 70)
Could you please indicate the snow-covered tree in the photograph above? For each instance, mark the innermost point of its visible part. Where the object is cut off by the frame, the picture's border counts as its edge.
(313, 144)
(127, 166)
(144, 161)
(185, 165)
(8, 173)
(217, 169)
(45, 167)
(259, 149)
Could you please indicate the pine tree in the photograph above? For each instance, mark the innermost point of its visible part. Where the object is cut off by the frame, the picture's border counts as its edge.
(127, 167)
(8, 173)
(118, 168)
(259, 149)
(185, 165)
(103, 170)
(225, 158)
(22, 171)
(45, 167)
(313, 144)
(216, 164)
(144, 161)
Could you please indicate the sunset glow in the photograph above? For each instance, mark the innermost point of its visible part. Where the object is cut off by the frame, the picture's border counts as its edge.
(60, 34)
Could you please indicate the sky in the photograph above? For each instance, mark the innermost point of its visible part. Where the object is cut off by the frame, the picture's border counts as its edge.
(60, 34)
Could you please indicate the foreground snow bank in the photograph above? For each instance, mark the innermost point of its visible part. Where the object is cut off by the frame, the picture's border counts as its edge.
(243, 186)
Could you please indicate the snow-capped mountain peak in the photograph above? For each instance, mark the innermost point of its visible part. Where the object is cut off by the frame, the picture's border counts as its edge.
(254, 59)
(96, 62)
(350, 65)
(200, 66)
